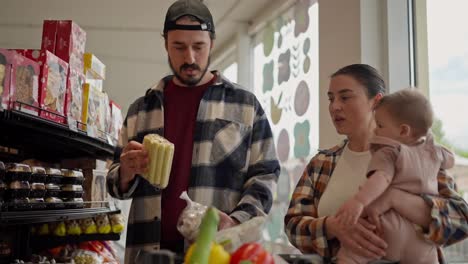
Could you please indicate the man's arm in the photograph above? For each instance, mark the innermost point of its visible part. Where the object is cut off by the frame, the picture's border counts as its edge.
(129, 160)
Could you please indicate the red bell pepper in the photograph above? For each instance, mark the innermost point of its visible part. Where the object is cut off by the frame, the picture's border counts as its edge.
(251, 253)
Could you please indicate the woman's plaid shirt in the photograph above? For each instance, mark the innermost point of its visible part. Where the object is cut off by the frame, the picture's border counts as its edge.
(307, 231)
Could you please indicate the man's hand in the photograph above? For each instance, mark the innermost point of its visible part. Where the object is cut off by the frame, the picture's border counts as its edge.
(225, 221)
(133, 160)
(350, 211)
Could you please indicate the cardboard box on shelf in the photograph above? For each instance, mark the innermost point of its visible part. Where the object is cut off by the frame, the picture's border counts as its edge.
(98, 186)
(93, 67)
(95, 107)
(116, 122)
(5, 73)
(49, 35)
(70, 45)
(74, 99)
(52, 85)
(23, 81)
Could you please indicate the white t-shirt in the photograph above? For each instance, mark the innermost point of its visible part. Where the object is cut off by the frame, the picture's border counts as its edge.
(349, 174)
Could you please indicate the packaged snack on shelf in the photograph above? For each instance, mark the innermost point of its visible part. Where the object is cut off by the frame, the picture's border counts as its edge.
(98, 186)
(74, 98)
(73, 203)
(70, 45)
(103, 224)
(99, 248)
(52, 85)
(88, 226)
(107, 118)
(24, 83)
(58, 228)
(72, 177)
(98, 84)
(38, 190)
(54, 175)
(87, 257)
(17, 172)
(43, 229)
(93, 67)
(116, 122)
(73, 228)
(190, 218)
(38, 174)
(117, 222)
(94, 111)
(37, 203)
(18, 189)
(5, 73)
(49, 35)
(52, 190)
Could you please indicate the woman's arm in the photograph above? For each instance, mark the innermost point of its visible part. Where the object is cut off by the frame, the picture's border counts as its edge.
(320, 235)
(304, 229)
(448, 214)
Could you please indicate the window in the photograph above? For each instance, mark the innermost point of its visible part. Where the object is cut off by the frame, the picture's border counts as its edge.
(447, 45)
(286, 79)
(286, 83)
(448, 77)
(230, 72)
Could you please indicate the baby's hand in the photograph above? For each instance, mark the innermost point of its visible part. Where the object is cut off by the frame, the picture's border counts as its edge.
(350, 212)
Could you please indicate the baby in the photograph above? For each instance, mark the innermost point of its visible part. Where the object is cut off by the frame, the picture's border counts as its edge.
(405, 157)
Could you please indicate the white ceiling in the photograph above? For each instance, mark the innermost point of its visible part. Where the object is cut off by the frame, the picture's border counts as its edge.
(139, 19)
(125, 34)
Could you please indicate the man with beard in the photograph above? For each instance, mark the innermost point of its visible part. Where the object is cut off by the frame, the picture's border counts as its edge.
(224, 151)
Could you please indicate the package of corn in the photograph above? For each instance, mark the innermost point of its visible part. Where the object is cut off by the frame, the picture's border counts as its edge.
(160, 153)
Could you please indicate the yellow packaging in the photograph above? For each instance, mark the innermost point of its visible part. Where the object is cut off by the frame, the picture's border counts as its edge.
(93, 67)
(94, 111)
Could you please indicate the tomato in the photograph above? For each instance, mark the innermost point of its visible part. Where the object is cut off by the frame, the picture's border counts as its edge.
(252, 253)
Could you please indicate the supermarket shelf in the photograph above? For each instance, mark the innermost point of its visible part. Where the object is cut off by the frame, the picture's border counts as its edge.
(38, 137)
(44, 216)
(44, 242)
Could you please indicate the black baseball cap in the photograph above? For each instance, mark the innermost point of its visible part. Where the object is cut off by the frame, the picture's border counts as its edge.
(194, 8)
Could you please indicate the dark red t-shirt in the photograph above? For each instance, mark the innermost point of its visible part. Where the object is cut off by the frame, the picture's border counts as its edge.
(180, 113)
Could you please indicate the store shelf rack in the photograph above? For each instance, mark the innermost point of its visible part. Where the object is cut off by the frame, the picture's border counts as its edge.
(44, 242)
(44, 216)
(38, 137)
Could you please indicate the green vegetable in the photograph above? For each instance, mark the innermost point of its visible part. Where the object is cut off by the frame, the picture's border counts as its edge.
(208, 229)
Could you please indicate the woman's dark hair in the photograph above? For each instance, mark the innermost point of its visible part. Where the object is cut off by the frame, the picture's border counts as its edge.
(366, 75)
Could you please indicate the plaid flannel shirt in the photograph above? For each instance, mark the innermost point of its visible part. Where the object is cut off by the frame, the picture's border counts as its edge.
(307, 231)
(234, 163)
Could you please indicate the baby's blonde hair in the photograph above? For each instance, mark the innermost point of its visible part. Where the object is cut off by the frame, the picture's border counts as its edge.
(411, 107)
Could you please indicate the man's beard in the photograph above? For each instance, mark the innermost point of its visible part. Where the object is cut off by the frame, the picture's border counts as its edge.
(189, 81)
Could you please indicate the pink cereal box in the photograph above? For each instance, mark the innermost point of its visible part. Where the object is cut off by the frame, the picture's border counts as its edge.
(52, 84)
(49, 35)
(70, 46)
(24, 82)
